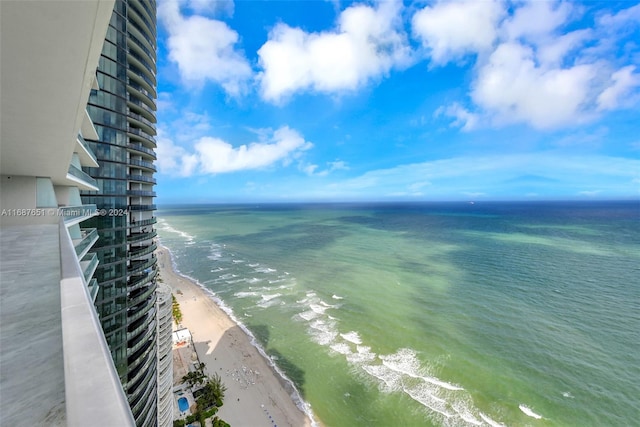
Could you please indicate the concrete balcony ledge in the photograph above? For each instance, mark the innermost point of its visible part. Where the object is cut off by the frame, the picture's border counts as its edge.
(92, 386)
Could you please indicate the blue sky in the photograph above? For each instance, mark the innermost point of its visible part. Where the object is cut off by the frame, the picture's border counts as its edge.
(435, 100)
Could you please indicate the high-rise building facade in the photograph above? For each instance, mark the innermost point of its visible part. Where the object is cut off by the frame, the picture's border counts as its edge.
(123, 111)
(55, 367)
(165, 356)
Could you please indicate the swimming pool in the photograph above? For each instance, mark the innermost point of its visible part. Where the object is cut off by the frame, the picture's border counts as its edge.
(183, 404)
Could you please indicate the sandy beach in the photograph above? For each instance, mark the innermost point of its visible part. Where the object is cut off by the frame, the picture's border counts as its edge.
(256, 395)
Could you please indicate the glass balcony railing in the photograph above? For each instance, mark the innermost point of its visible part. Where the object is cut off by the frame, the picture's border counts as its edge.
(142, 223)
(140, 79)
(142, 296)
(89, 264)
(72, 213)
(142, 120)
(141, 343)
(138, 266)
(82, 176)
(143, 61)
(151, 95)
(141, 75)
(89, 237)
(93, 289)
(142, 207)
(144, 250)
(86, 147)
(142, 324)
(143, 164)
(136, 282)
(141, 193)
(142, 149)
(139, 132)
(141, 178)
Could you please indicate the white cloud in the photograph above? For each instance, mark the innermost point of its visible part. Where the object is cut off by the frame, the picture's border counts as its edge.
(512, 88)
(553, 51)
(624, 80)
(173, 159)
(529, 71)
(310, 169)
(218, 156)
(452, 29)
(463, 117)
(211, 6)
(630, 16)
(215, 156)
(367, 43)
(203, 49)
(536, 19)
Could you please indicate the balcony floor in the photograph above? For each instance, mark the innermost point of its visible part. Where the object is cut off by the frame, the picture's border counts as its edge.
(31, 358)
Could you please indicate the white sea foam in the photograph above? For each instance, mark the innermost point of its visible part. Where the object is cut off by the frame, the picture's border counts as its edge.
(468, 417)
(427, 400)
(392, 380)
(318, 308)
(253, 265)
(489, 421)
(528, 411)
(238, 261)
(406, 362)
(245, 294)
(324, 337)
(336, 297)
(264, 270)
(353, 337)
(341, 348)
(363, 354)
(327, 305)
(270, 297)
(308, 315)
(322, 325)
(164, 225)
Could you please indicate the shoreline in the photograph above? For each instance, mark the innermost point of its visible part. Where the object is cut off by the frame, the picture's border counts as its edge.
(258, 392)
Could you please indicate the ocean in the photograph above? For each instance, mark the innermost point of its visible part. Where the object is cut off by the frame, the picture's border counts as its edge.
(432, 314)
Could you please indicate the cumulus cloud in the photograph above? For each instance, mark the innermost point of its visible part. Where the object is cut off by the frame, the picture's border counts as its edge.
(204, 48)
(366, 44)
(452, 29)
(215, 156)
(514, 89)
(536, 19)
(529, 71)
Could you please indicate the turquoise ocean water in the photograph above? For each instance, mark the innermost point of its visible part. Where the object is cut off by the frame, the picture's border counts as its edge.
(519, 314)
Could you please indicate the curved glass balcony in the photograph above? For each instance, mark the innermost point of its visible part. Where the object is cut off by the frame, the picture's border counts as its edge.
(142, 250)
(141, 149)
(138, 281)
(142, 223)
(141, 178)
(142, 208)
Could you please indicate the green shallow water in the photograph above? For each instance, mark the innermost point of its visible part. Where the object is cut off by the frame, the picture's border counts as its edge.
(433, 314)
